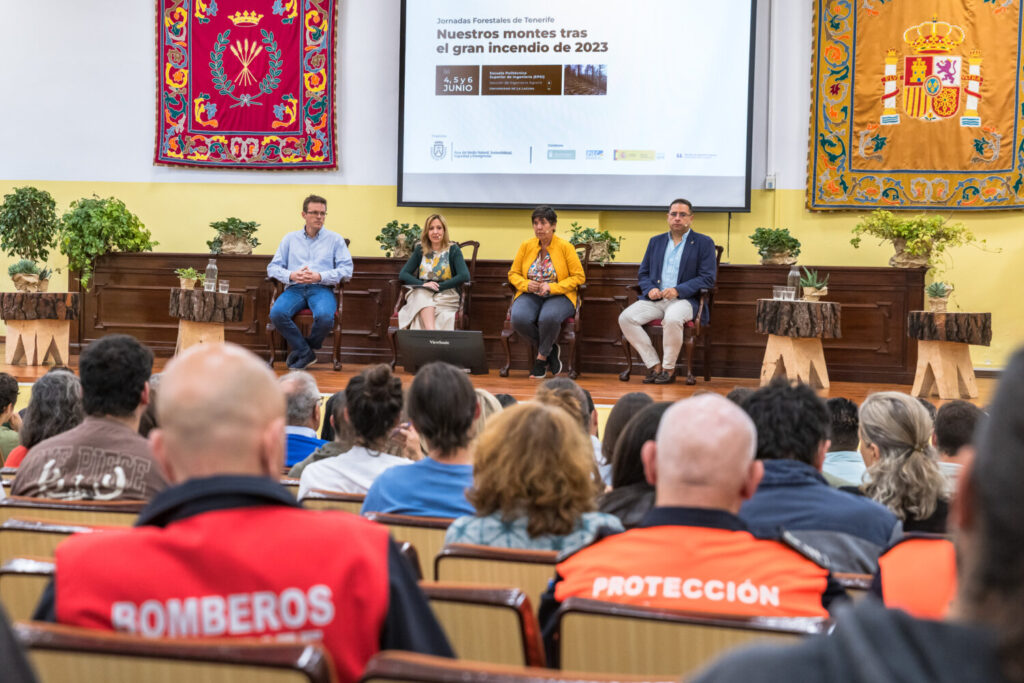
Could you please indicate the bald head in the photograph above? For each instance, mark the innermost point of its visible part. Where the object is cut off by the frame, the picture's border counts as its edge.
(220, 412)
(704, 455)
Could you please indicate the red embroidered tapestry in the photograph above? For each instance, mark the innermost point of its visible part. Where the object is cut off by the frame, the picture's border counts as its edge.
(246, 83)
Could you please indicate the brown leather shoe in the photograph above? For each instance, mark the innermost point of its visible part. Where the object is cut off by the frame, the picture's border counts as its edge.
(652, 375)
(665, 377)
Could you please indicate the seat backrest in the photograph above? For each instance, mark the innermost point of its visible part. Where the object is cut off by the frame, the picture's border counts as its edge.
(857, 586)
(36, 538)
(616, 638)
(471, 261)
(70, 654)
(425, 533)
(334, 500)
(22, 582)
(291, 484)
(106, 513)
(8, 473)
(503, 614)
(395, 667)
(528, 570)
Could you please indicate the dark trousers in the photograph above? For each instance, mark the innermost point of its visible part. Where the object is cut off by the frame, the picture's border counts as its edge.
(539, 318)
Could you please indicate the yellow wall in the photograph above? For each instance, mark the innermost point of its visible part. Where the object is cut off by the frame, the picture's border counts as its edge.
(178, 214)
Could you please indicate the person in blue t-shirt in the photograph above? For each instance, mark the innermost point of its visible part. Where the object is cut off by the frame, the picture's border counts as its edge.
(302, 397)
(441, 405)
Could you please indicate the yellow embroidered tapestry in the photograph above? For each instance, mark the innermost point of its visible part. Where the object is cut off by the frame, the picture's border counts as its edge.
(916, 105)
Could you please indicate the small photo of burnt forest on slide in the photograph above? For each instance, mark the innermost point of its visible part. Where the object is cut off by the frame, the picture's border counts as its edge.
(586, 79)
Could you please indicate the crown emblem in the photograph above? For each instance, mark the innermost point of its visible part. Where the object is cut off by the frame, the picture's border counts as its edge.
(933, 37)
(245, 18)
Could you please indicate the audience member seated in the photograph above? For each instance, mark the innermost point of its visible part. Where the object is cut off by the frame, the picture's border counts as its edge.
(227, 552)
(792, 438)
(434, 273)
(739, 394)
(302, 399)
(622, 412)
(147, 422)
(55, 407)
(373, 404)
(918, 575)
(903, 473)
(441, 404)
(692, 552)
(569, 396)
(983, 640)
(506, 400)
(8, 434)
(604, 465)
(327, 426)
(115, 391)
(488, 406)
(844, 465)
(955, 424)
(534, 484)
(632, 496)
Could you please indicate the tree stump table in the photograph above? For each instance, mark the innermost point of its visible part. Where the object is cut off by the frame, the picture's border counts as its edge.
(943, 351)
(795, 330)
(38, 325)
(201, 315)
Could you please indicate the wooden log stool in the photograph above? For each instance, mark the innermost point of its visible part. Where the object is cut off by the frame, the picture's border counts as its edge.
(943, 355)
(795, 330)
(38, 325)
(201, 315)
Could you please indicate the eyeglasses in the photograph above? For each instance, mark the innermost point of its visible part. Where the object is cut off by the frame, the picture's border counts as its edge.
(316, 213)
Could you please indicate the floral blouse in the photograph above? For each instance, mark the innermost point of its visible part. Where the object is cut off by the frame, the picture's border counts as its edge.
(541, 270)
(435, 267)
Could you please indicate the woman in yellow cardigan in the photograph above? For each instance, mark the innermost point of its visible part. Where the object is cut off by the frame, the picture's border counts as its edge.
(545, 273)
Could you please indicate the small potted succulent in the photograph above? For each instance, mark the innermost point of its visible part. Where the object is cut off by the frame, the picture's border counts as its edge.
(189, 277)
(814, 287)
(398, 239)
(938, 295)
(25, 274)
(776, 246)
(234, 236)
(603, 245)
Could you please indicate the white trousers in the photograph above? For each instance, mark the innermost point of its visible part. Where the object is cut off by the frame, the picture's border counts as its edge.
(673, 315)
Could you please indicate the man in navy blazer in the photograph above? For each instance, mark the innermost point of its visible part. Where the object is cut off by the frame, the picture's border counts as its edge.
(676, 266)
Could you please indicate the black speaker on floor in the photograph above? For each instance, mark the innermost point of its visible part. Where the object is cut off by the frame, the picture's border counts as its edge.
(461, 348)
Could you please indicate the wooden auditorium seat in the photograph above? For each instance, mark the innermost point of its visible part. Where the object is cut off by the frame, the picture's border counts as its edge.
(291, 484)
(858, 586)
(334, 500)
(72, 655)
(487, 623)
(528, 570)
(8, 473)
(104, 513)
(22, 582)
(426, 534)
(615, 638)
(36, 538)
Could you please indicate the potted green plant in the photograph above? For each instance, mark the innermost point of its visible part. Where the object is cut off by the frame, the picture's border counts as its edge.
(603, 247)
(814, 287)
(776, 246)
(188, 277)
(28, 229)
(93, 227)
(938, 295)
(398, 239)
(25, 274)
(919, 241)
(234, 236)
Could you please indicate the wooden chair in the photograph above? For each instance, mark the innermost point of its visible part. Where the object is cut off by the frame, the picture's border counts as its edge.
(105, 512)
(858, 586)
(291, 484)
(615, 638)
(410, 667)
(8, 473)
(426, 534)
(399, 292)
(334, 500)
(503, 614)
(37, 539)
(571, 326)
(304, 320)
(22, 582)
(528, 570)
(71, 654)
(692, 331)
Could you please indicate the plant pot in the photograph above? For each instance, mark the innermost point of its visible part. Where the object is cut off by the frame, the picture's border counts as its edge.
(234, 244)
(781, 259)
(599, 252)
(187, 283)
(937, 304)
(402, 248)
(44, 285)
(812, 294)
(26, 282)
(901, 259)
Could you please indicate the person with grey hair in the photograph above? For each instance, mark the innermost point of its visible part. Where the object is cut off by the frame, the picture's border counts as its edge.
(302, 405)
(692, 551)
(55, 407)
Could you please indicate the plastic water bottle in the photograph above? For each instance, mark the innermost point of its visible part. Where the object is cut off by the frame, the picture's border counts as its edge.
(210, 283)
(793, 280)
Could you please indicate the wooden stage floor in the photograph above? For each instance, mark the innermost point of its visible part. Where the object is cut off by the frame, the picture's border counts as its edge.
(605, 389)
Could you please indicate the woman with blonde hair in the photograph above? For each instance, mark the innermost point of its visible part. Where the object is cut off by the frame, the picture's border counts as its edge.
(434, 272)
(534, 484)
(902, 474)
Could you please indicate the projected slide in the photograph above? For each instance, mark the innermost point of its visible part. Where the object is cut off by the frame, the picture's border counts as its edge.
(588, 103)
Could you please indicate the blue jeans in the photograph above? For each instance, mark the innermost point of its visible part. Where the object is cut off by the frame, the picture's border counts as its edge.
(539, 318)
(317, 298)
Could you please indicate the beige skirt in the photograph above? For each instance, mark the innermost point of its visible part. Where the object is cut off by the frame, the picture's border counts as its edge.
(445, 304)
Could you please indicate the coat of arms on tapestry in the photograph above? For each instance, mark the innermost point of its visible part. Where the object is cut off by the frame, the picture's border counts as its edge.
(246, 83)
(916, 105)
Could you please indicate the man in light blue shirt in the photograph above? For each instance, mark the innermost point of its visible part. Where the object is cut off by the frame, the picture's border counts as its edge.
(844, 465)
(309, 262)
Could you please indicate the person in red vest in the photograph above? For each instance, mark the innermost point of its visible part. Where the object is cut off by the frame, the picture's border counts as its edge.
(918, 575)
(227, 551)
(691, 551)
